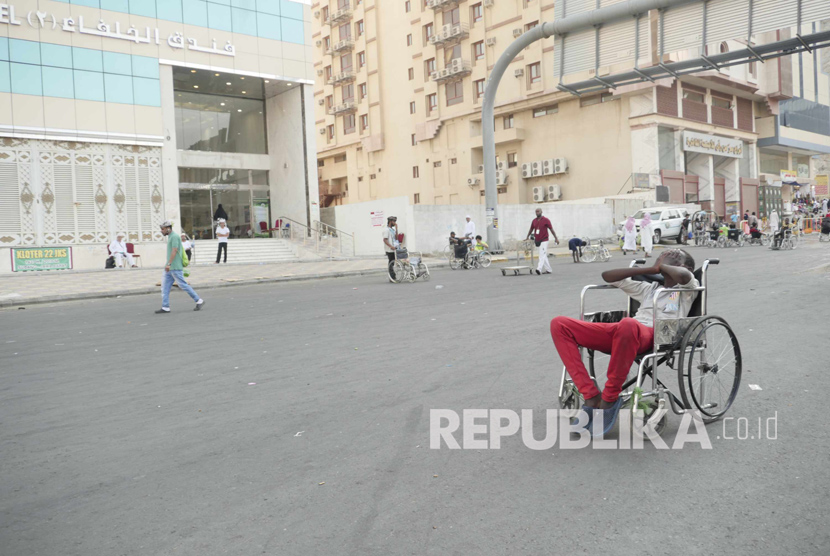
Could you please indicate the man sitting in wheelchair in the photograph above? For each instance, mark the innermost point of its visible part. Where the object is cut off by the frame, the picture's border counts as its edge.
(626, 339)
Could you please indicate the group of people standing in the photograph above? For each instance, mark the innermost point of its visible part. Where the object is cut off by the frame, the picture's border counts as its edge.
(646, 233)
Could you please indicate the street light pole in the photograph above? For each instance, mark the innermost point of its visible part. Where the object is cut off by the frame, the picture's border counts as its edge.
(566, 25)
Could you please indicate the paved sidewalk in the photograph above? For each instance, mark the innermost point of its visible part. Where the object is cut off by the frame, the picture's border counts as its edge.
(28, 288)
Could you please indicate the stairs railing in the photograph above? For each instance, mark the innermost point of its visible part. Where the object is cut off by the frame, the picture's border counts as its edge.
(320, 238)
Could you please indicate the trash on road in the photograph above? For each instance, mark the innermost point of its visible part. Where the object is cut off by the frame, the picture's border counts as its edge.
(755, 387)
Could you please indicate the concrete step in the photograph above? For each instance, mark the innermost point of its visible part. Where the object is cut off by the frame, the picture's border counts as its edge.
(258, 250)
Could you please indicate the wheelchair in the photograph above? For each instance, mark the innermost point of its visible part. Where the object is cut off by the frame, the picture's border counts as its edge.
(701, 348)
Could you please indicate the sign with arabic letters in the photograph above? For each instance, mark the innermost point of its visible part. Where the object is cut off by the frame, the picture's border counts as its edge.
(46, 20)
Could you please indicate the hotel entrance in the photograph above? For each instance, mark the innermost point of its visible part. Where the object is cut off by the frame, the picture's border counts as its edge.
(239, 196)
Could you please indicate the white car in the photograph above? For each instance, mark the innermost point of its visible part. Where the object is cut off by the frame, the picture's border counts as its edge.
(665, 221)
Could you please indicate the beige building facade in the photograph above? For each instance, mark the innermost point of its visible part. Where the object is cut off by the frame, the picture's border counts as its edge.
(398, 95)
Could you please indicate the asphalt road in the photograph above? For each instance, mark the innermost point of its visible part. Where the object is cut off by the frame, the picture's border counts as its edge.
(212, 432)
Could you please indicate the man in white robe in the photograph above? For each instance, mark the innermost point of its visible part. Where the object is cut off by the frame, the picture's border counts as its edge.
(118, 249)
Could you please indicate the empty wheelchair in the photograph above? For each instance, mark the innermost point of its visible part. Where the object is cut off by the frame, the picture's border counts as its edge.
(701, 349)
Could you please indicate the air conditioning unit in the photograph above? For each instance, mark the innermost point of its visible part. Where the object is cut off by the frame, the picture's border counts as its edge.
(317, 14)
(519, 72)
(547, 167)
(472, 182)
(319, 43)
(488, 3)
(560, 165)
(517, 33)
(535, 169)
(501, 166)
(526, 170)
(446, 29)
(322, 131)
(457, 65)
(321, 102)
(480, 169)
(433, 39)
(319, 72)
(554, 192)
(444, 72)
(501, 178)
(491, 41)
(538, 194)
(434, 75)
(454, 31)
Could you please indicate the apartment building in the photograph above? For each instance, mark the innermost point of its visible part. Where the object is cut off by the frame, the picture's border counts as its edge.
(398, 92)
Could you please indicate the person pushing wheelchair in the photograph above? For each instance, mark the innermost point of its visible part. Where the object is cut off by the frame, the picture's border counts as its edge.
(628, 338)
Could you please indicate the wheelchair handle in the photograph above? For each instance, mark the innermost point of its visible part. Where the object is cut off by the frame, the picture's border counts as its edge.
(713, 261)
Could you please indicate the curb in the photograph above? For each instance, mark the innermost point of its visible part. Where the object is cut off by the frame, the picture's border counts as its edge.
(15, 302)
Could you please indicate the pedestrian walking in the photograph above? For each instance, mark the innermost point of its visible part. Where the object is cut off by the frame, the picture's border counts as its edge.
(539, 228)
(390, 239)
(753, 221)
(174, 270)
(629, 236)
(646, 233)
(684, 231)
(222, 234)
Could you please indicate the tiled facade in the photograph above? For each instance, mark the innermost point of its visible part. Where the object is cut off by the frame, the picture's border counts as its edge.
(82, 76)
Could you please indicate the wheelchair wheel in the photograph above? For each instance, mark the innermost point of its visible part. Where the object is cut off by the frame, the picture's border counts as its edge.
(765, 240)
(709, 367)
(721, 242)
(423, 271)
(570, 398)
(393, 267)
(448, 253)
(787, 243)
(401, 271)
(484, 259)
(589, 255)
(455, 263)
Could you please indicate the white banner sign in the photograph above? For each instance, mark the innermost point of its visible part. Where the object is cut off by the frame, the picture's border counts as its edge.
(43, 20)
(709, 144)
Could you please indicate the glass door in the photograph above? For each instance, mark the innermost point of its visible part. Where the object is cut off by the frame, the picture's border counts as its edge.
(197, 213)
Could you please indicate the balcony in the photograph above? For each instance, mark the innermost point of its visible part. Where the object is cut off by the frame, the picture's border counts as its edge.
(455, 70)
(342, 77)
(341, 46)
(450, 34)
(442, 4)
(344, 108)
(502, 136)
(339, 16)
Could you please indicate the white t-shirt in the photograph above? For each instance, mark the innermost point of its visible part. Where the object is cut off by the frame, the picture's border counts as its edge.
(670, 305)
(390, 235)
(225, 230)
(186, 244)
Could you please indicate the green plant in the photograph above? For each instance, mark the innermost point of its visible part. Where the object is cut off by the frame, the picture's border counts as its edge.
(645, 405)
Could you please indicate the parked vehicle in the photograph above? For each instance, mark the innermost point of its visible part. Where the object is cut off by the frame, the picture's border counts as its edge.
(666, 222)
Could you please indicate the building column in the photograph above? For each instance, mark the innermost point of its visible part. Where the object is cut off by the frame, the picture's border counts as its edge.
(730, 170)
(645, 151)
(291, 145)
(169, 160)
(679, 153)
(702, 166)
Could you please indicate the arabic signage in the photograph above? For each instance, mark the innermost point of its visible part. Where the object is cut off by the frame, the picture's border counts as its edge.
(822, 185)
(709, 144)
(43, 20)
(377, 218)
(789, 176)
(24, 260)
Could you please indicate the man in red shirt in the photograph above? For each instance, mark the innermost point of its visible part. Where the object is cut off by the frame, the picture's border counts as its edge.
(539, 228)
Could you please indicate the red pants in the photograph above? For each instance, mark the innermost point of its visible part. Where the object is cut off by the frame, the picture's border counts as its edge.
(624, 340)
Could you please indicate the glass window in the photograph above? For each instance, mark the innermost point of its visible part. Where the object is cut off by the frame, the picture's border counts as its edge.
(455, 93)
(26, 79)
(348, 92)
(432, 103)
(219, 17)
(801, 164)
(534, 73)
(452, 17)
(722, 103)
(478, 50)
(477, 13)
(546, 111)
(429, 67)
(508, 122)
(479, 89)
(693, 96)
(25, 52)
(195, 13)
(220, 124)
(348, 124)
(362, 91)
(89, 85)
(773, 162)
